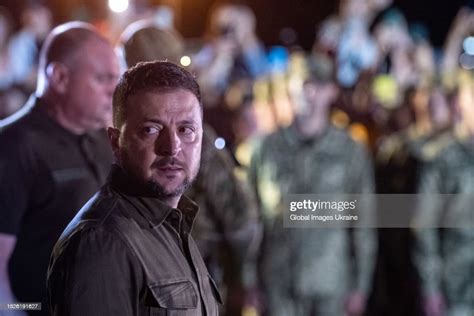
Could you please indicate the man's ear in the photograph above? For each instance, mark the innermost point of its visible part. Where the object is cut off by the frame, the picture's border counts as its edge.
(58, 76)
(114, 138)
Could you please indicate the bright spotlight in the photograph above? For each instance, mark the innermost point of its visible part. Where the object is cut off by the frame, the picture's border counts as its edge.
(468, 45)
(185, 61)
(219, 143)
(118, 6)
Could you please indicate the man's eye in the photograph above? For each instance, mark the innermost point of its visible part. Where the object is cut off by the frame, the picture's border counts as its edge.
(105, 78)
(102, 78)
(150, 130)
(186, 130)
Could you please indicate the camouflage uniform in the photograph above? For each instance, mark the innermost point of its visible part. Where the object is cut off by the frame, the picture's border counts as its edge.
(398, 163)
(445, 258)
(227, 228)
(308, 271)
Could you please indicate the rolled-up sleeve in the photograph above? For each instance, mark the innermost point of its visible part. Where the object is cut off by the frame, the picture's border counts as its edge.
(93, 273)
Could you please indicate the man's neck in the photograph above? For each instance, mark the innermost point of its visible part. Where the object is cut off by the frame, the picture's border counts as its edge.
(314, 127)
(172, 202)
(131, 184)
(55, 110)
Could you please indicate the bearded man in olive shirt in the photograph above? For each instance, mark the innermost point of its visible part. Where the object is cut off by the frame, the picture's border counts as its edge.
(129, 250)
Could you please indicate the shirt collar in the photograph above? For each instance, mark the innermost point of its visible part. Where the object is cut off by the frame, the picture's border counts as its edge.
(294, 138)
(149, 206)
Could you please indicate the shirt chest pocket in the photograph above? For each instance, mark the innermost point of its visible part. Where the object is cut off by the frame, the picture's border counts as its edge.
(176, 297)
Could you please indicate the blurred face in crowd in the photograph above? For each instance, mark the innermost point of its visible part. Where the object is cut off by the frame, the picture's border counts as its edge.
(392, 36)
(466, 105)
(439, 109)
(312, 104)
(349, 8)
(38, 20)
(4, 29)
(313, 98)
(234, 24)
(159, 141)
(91, 77)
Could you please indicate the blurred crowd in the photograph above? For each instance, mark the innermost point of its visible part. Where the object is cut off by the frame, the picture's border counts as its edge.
(372, 108)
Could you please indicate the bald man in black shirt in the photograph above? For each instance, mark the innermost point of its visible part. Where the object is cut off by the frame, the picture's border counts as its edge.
(55, 157)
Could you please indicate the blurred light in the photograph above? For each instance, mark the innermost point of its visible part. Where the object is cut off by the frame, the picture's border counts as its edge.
(219, 143)
(185, 61)
(385, 91)
(278, 59)
(118, 6)
(467, 61)
(359, 133)
(468, 45)
(340, 119)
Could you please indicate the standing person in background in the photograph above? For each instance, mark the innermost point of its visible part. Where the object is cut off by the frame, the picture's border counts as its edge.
(36, 23)
(55, 157)
(11, 98)
(444, 256)
(308, 271)
(233, 51)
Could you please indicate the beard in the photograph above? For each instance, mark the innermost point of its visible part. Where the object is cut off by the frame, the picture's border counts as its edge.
(151, 187)
(159, 191)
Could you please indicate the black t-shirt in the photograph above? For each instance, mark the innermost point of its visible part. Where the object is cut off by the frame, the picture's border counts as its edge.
(47, 174)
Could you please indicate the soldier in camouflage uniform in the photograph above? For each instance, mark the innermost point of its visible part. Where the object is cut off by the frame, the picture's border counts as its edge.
(227, 230)
(449, 260)
(398, 162)
(445, 257)
(309, 271)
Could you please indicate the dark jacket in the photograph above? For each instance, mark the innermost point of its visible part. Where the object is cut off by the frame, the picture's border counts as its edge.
(127, 253)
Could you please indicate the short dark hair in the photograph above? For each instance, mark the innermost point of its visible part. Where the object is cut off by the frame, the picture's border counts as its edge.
(159, 76)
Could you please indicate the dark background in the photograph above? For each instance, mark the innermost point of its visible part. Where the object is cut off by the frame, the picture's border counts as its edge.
(304, 15)
(272, 15)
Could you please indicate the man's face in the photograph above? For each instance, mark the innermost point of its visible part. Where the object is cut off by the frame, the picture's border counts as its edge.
(92, 76)
(159, 142)
(312, 98)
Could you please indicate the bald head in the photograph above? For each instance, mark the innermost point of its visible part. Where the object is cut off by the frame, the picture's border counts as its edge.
(63, 45)
(77, 75)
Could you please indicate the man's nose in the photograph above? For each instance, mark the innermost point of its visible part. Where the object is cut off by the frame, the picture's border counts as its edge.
(168, 144)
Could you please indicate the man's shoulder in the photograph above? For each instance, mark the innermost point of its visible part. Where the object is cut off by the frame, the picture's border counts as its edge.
(102, 212)
(278, 138)
(338, 142)
(341, 135)
(94, 233)
(20, 140)
(21, 128)
(26, 133)
(453, 155)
